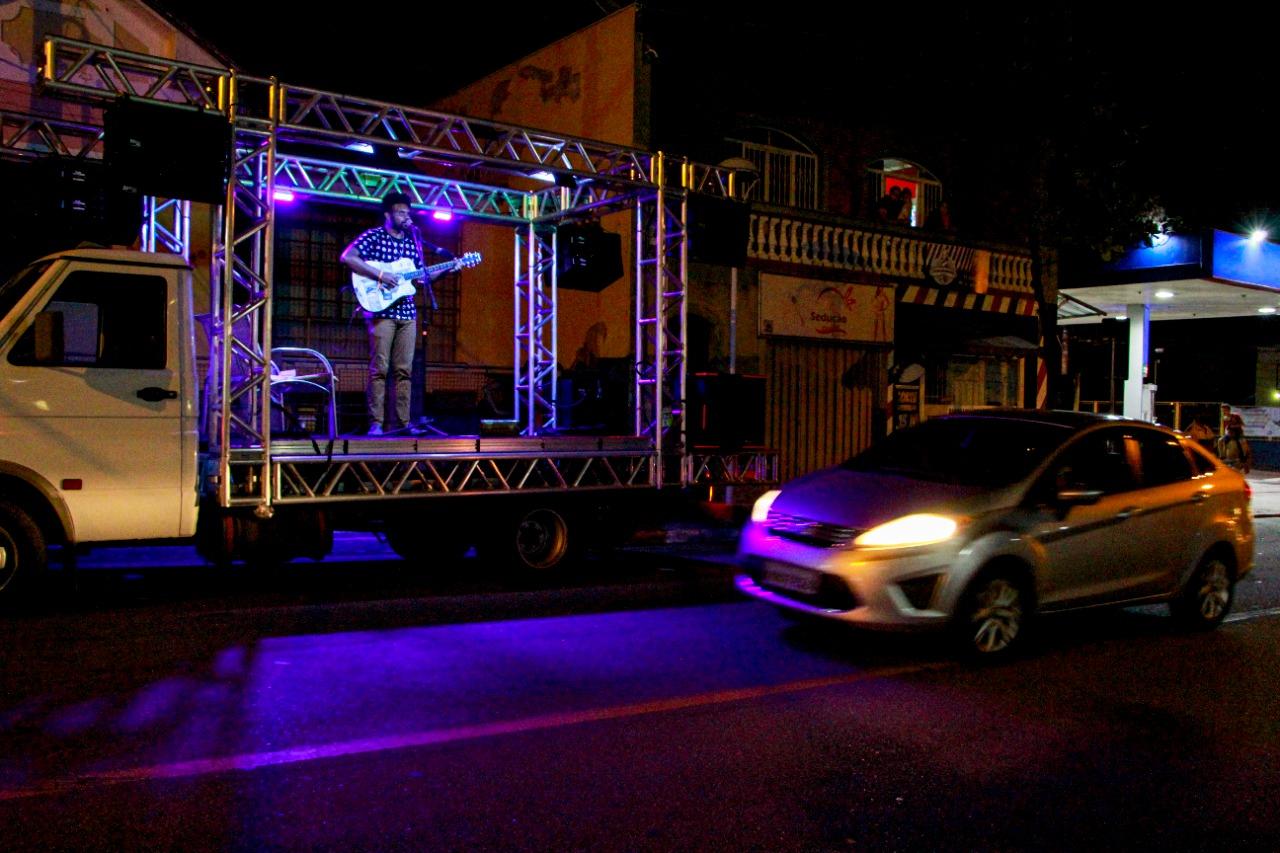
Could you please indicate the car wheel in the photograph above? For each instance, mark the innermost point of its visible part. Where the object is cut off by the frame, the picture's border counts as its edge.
(22, 549)
(1206, 599)
(991, 621)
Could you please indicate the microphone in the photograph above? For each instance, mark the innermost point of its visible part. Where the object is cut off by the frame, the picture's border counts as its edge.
(438, 251)
(428, 247)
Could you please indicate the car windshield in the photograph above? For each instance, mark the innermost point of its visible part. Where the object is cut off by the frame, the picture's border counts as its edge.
(987, 452)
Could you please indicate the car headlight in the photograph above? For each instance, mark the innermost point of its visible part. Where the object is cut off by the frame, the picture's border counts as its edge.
(760, 512)
(910, 530)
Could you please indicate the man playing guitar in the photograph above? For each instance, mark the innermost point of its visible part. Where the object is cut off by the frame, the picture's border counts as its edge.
(392, 330)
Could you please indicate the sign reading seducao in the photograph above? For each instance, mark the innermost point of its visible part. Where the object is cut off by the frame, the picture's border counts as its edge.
(825, 310)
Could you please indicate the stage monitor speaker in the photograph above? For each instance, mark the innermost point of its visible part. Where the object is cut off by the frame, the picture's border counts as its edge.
(726, 410)
(169, 152)
(718, 230)
(588, 257)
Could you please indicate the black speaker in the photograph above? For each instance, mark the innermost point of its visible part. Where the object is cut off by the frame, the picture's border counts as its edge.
(717, 230)
(726, 410)
(587, 257)
(169, 152)
(74, 199)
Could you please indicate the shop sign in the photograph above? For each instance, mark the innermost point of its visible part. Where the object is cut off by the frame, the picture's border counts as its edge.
(825, 310)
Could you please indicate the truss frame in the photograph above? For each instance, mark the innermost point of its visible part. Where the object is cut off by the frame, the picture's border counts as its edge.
(270, 118)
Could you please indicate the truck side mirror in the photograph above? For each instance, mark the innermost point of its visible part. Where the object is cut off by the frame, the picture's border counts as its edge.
(51, 341)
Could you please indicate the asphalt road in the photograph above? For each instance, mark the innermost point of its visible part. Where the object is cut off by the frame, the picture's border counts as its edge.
(351, 707)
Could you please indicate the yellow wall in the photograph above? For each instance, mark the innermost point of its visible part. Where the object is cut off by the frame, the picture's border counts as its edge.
(599, 322)
(582, 85)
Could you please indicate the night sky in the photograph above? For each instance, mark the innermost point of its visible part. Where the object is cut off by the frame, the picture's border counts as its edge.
(1174, 104)
(404, 52)
(1182, 99)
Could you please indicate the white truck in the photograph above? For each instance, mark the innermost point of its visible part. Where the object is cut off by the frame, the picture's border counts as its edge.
(128, 412)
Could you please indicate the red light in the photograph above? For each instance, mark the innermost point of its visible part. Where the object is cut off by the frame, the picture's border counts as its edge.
(1248, 491)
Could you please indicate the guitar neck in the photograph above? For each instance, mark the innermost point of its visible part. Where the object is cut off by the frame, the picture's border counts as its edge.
(442, 267)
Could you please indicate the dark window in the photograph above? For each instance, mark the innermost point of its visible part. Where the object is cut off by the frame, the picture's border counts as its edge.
(107, 319)
(1098, 462)
(14, 289)
(1201, 461)
(966, 451)
(1163, 459)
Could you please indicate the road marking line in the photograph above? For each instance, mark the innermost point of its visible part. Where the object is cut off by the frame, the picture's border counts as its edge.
(432, 737)
(1253, 614)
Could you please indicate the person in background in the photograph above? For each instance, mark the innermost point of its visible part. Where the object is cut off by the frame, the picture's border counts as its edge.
(890, 205)
(907, 210)
(1233, 448)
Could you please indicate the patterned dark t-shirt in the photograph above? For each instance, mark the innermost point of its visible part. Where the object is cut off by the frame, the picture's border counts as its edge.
(378, 244)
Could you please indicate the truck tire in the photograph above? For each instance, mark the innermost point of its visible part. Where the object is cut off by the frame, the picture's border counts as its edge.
(541, 540)
(22, 550)
(531, 544)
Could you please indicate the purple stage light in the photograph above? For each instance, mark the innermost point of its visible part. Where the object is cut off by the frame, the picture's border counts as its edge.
(284, 196)
(442, 216)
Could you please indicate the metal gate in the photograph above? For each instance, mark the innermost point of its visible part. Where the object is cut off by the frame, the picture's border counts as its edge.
(822, 402)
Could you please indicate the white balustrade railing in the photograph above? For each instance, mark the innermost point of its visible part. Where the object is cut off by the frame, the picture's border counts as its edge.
(808, 243)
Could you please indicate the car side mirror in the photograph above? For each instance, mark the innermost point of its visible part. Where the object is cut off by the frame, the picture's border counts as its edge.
(50, 338)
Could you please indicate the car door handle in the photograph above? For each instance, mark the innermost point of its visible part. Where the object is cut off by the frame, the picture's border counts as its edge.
(153, 394)
(1128, 512)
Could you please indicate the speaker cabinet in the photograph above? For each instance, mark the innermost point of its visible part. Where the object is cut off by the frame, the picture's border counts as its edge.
(726, 410)
(588, 257)
(169, 152)
(718, 230)
(58, 202)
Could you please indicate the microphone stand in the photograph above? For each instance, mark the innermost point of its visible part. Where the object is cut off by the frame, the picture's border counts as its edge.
(426, 282)
(425, 422)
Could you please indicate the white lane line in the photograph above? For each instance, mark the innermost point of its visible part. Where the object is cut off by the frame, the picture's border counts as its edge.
(1253, 614)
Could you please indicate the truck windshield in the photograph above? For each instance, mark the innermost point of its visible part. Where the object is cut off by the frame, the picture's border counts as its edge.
(18, 284)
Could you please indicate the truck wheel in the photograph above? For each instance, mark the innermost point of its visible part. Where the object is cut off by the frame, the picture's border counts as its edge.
(542, 539)
(22, 549)
(533, 539)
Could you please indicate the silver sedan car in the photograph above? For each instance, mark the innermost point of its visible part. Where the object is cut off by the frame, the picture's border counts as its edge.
(977, 522)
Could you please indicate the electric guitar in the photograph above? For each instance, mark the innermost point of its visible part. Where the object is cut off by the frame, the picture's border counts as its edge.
(374, 296)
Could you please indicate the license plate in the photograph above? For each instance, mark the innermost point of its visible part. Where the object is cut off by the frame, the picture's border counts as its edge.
(791, 578)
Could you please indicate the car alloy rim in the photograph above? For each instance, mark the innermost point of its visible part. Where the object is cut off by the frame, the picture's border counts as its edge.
(8, 559)
(1214, 590)
(997, 616)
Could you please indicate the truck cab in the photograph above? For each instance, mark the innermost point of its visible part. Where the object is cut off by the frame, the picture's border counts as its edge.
(98, 404)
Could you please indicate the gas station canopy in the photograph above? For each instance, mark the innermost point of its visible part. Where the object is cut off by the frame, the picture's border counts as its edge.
(1182, 277)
